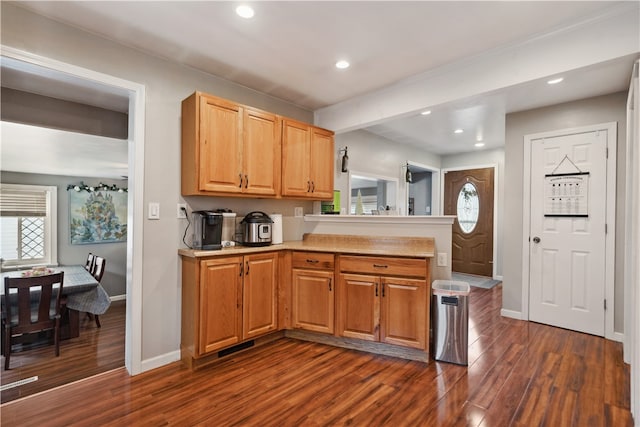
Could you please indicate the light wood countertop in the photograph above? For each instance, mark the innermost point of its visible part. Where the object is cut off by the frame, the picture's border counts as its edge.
(411, 247)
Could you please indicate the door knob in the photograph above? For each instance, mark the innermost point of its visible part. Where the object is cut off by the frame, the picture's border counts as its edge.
(536, 239)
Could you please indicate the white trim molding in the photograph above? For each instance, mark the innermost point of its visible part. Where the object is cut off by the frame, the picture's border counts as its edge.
(136, 93)
(612, 140)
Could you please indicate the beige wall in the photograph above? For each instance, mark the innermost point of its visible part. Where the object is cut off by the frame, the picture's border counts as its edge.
(166, 85)
(378, 156)
(603, 109)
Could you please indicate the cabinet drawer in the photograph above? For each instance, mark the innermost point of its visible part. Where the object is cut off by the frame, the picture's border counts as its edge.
(384, 266)
(313, 260)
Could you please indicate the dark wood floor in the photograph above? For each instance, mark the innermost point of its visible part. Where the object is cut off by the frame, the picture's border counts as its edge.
(519, 373)
(96, 350)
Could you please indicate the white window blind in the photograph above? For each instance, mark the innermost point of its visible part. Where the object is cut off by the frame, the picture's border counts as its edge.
(22, 203)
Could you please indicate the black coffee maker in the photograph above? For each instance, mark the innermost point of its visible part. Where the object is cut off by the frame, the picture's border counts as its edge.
(207, 230)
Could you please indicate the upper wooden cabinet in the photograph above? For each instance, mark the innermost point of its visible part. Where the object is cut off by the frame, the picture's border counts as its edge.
(307, 161)
(229, 148)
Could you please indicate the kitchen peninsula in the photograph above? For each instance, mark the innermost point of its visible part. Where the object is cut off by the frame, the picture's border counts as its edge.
(365, 292)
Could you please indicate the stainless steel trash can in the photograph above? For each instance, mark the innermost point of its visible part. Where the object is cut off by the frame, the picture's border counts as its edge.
(450, 320)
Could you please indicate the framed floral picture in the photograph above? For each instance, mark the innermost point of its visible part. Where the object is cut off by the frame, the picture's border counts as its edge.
(97, 216)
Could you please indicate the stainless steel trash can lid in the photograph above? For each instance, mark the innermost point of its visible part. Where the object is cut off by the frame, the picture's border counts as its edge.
(450, 287)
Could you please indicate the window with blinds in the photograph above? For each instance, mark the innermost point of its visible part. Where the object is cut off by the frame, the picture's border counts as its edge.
(27, 225)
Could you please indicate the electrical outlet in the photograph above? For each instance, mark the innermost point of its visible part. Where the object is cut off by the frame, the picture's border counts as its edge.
(298, 211)
(182, 210)
(442, 259)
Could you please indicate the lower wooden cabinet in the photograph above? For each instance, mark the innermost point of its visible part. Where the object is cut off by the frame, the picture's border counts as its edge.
(388, 309)
(227, 300)
(312, 294)
(259, 310)
(220, 316)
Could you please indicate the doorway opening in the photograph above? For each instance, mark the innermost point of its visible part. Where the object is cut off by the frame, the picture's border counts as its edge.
(83, 79)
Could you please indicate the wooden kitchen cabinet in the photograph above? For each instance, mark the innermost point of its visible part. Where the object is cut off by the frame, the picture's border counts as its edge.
(220, 315)
(228, 148)
(259, 311)
(313, 302)
(225, 301)
(384, 299)
(307, 161)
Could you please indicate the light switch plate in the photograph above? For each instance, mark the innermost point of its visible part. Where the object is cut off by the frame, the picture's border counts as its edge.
(298, 211)
(154, 211)
(442, 259)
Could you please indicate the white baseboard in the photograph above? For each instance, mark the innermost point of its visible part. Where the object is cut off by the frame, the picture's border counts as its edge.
(511, 314)
(617, 336)
(118, 297)
(497, 278)
(158, 361)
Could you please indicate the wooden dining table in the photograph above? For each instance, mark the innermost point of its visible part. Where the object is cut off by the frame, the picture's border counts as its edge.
(81, 292)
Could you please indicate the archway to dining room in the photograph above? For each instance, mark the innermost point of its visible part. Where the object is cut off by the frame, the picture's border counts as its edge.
(126, 313)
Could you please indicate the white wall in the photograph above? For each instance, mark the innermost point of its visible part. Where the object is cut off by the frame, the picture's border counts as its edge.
(602, 109)
(376, 155)
(166, 85)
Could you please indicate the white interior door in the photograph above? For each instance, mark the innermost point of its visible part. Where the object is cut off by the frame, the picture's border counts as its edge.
(567, 253)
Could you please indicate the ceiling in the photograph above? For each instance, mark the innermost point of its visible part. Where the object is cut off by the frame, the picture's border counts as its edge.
(288, 50)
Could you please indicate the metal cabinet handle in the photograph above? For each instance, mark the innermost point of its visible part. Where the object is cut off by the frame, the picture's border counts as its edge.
(247, 273)
(308, 186)
(330, 284)
(240, 175)
(246, 181)
(382, 290)
(313, 186)
(241, 269)
(376, 289)
(380, 266)
(313, 261)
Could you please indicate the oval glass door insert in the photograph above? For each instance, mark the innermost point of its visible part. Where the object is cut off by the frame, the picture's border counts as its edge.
(468, 207)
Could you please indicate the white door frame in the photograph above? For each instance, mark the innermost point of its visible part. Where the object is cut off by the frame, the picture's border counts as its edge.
(133, 329)
(612, 142)
(493, 166)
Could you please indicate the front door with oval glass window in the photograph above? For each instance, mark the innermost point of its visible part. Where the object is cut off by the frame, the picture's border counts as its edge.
(469, 196)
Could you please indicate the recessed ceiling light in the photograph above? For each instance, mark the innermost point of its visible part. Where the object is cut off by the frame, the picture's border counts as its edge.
(555, 81)
(458, 131)
(426, 112)
(245, 11)
(342, 64)
(479, 144)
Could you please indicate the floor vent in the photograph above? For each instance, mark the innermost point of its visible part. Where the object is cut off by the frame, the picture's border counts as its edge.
(18, 383)
(235, 348)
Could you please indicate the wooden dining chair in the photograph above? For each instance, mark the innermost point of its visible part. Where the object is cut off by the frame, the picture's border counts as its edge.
(91, 262)
(31, 305)
(99, 265)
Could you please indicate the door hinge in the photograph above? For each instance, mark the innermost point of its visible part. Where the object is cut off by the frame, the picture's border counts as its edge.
(605, 305)
(605, 228)
(607, 153)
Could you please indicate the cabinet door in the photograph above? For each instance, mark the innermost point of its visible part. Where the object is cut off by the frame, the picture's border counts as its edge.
(259, 294)
(404, 311)
(220, 145)
(313, 300)
(359, 306)
(220, 299)
(296, 141)
(261, 153)
(321, 164)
